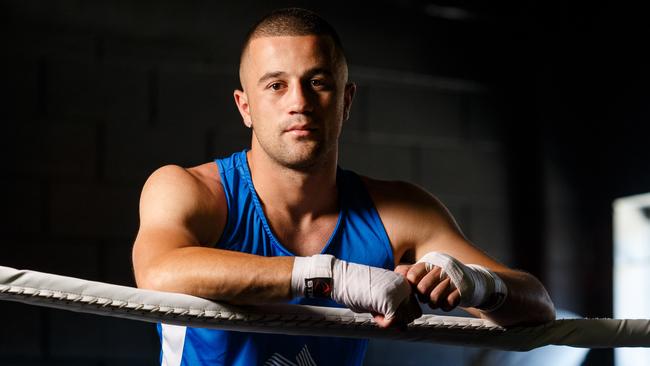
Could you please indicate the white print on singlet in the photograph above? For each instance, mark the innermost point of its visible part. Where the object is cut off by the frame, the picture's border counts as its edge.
(172, 345)
(302, 359)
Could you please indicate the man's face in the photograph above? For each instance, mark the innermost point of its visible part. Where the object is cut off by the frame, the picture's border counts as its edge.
(295, 98)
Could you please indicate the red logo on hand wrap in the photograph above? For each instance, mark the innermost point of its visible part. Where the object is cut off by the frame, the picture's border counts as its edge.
(319, 287)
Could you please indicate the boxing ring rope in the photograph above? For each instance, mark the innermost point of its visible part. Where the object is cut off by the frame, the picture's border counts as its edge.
(99, 298)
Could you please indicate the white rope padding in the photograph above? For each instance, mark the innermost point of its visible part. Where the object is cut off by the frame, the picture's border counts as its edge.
(99, 298)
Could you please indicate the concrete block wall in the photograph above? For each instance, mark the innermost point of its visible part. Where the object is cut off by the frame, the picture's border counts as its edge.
(94, 109)
(423, 132)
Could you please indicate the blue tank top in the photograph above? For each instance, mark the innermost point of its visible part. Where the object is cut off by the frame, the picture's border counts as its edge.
(359, 237)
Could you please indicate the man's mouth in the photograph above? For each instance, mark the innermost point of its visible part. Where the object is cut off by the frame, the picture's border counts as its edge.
(300, 130)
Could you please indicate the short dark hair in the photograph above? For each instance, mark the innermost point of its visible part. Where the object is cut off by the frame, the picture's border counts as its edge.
(292, 22)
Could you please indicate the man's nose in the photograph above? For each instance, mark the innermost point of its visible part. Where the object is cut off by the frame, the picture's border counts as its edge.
(300, 98)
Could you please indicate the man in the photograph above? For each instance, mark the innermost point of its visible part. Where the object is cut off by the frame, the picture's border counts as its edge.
(281, 221)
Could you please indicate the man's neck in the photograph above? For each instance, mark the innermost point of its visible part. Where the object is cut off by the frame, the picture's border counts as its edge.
(300, 195)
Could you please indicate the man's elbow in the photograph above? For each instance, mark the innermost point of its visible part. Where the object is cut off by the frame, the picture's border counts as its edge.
(547, 308)
(543, 310)
(149, 279)
(529, 303)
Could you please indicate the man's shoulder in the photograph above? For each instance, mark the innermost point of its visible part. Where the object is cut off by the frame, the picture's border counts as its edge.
(185, 197)
(399, 201)
(395, 191)
(176, 182)
(410, 214)
(201, 175)
(207, 174)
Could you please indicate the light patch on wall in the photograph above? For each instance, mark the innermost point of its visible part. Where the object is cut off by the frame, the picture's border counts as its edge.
(448, 12)
(632, 269)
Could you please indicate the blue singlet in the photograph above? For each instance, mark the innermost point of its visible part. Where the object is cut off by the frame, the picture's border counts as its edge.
(359, 237)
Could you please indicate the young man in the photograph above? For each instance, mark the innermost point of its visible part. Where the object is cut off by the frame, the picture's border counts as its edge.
(281, 221)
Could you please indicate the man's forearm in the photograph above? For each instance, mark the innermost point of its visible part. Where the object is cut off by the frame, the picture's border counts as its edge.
(528, 301)
(220, 275)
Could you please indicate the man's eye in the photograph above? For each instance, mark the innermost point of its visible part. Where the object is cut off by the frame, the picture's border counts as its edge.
(275, 86)
(316, 82)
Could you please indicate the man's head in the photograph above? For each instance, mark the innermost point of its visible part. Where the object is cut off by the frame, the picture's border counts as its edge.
(293, 22)
(295, 92)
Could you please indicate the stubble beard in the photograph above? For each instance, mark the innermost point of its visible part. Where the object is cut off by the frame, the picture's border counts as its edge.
(302, 156)
(308, 156)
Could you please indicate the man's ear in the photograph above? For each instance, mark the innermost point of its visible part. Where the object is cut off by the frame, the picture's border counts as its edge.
(350, 89)
(241, 100)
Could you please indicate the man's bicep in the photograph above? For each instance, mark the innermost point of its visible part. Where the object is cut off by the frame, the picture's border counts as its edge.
(153, 243)
(441, 233)
(173, 215)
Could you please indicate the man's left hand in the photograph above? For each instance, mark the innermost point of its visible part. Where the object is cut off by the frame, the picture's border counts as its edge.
(429, 287)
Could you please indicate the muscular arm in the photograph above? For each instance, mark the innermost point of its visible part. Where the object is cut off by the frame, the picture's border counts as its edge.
(179, 215)
(417, 223)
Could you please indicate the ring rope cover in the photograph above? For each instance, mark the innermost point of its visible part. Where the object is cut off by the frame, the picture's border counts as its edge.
(99, 298)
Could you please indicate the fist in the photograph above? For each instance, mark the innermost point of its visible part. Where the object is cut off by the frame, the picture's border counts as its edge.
(385, 294)
(431, 286)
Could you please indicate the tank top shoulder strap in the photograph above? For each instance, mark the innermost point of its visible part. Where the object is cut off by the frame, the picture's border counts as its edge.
(363, 217)
(233, 184)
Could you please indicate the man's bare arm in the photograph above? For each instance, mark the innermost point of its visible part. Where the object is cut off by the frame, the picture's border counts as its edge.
(527, 301)
(418, 224)
(179, 215)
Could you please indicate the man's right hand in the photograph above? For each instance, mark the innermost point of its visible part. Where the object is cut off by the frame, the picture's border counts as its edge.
(383, 293)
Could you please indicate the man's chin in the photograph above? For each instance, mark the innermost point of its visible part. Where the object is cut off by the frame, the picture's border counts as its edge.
(305, 160)
(304, 164)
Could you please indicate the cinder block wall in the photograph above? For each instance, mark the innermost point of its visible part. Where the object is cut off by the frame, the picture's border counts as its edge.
(99, 95)
(96, 107)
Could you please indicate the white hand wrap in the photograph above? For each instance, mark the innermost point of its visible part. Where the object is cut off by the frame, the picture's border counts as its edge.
(359, 287)
(478, 286)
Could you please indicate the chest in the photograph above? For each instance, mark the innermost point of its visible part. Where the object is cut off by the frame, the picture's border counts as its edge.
(307, 238)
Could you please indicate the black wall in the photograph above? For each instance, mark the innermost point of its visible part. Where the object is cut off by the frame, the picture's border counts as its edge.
(526, 119)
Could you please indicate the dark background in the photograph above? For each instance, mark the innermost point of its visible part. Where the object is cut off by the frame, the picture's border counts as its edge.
(526, 118)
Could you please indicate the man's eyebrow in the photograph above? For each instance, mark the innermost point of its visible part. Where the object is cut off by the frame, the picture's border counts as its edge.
(319, 70)
(310, 72)
(270, 75)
